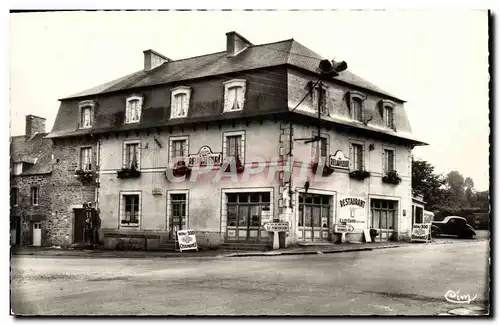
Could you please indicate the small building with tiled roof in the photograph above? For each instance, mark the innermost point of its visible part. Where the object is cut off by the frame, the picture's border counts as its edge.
(30, 170)
(246, 110)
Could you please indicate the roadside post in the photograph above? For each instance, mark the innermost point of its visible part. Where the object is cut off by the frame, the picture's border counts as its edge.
(343, 230)
(276, 228)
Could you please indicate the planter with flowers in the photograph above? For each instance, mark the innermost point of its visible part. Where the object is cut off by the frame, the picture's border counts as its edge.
(391, 177)
(84, 176)
(131, 172)
(359, 174)
(181, 169)
(327, 170)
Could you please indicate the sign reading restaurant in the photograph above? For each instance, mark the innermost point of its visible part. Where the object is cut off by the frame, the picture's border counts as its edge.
(352, 211)
(338, 160)
(205, 157)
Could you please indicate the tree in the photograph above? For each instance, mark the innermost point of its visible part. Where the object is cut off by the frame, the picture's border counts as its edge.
(456, 186)
(469, 192)
(427, 183)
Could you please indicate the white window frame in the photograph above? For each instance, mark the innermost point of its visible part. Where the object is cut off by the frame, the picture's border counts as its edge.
(90, 104)
(181, 90)
(125, 156)
(171, 140)
(122, 209)
(128, 115)
(18, 168)
(37, 192)
(90, 158)
(352, 163)
(225, 135)
(169, 207)
(230, 84)
(384, 148)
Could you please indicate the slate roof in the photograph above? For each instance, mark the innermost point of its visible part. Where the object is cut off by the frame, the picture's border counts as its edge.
(287, 52)
(35, 152)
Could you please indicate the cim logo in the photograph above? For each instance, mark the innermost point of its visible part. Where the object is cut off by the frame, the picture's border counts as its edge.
(457, 298)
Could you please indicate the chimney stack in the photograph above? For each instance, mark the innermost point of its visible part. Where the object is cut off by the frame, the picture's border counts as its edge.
(153, 59)
(34, 125)
(236, 43)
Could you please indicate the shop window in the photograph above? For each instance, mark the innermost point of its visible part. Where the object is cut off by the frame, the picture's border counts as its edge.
(383, 214)
(244, 213)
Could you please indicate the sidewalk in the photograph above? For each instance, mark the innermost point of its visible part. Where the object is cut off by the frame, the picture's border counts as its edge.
(297, 250)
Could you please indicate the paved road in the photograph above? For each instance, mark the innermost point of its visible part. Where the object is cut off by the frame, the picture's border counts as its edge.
(410, 280)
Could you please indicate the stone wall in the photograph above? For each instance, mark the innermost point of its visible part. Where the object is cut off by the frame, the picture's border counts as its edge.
(69, 192)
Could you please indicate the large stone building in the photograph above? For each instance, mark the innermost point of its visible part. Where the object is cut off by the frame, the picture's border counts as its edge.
(245, 106)
(30, 188)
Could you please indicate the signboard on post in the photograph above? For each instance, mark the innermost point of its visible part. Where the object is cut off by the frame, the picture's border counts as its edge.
(421, 232)
(277, 227)
(186, 240)
(343, 228)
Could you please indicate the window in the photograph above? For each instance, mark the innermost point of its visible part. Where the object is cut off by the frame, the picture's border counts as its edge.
(130, 209)
(315, 98)
(133, 109)
(14, 196)
(357, 109)
(179, 148)
(389, 117)
(320, 148)
(357, 156)
(131, 152)
(18, 168)
(86, 113)
(234, 95)
(244, 214)
(34, 195)
(180, 102)
(388, 160)
(233, 146)
(86, 158)
(383, 214)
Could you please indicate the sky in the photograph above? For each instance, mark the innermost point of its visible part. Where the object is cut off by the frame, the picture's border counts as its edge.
(437, 61)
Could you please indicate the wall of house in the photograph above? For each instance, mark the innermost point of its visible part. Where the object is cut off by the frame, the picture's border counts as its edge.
(204, 191)
(25, 210)
(69, 193)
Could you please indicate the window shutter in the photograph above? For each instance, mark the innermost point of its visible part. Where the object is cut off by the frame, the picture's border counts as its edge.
(383, 161)
(363, 158)
(394, 160)
(124, 158)
(351, 157)
(139, 109)
(138, 156)
(185, 149)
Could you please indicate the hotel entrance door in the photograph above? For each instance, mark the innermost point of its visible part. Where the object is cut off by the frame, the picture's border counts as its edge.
(314, 217)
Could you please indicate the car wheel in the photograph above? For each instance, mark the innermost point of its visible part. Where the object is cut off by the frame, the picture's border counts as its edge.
(435, 232)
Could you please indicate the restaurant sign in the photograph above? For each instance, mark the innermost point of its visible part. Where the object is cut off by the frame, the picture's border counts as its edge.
(186, 240)
(352, 211)
(338, 160)
(205, 157)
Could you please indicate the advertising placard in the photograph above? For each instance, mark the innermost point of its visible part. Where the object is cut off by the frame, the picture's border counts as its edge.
(421, 232)
(351, 211)
(186, 240)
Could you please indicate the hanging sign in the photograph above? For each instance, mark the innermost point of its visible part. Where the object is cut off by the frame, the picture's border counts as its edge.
(421, 232)
(351, 211)
(186, 240)
(205, 157)
(338, 160)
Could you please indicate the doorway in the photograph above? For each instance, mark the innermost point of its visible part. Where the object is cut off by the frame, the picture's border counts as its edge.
(383, 218)
(79, 226)
(37, 233)
(15, 230)
(178, 213)
(314, 217)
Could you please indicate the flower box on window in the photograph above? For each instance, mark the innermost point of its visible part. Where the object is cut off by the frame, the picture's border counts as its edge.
(131, 172)
(180, 169)
(327, 170)
(391, 177)
(84, 176)
(359, 174)
(236, 163)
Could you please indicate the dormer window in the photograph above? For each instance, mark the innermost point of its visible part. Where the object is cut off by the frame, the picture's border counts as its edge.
(180, 102)
(234, 95)
(356, 100)
(387, 112)
(133, 109)
(86, 114)
(18, 168)
(319, 90)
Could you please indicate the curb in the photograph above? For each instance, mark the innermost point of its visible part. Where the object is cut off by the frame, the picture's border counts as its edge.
(319, 252)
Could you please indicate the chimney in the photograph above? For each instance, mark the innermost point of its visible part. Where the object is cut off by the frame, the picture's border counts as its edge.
(236, 43)
(153, 59)
(34, 125)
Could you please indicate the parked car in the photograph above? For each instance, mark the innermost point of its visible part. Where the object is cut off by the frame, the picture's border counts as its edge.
(452, 225)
